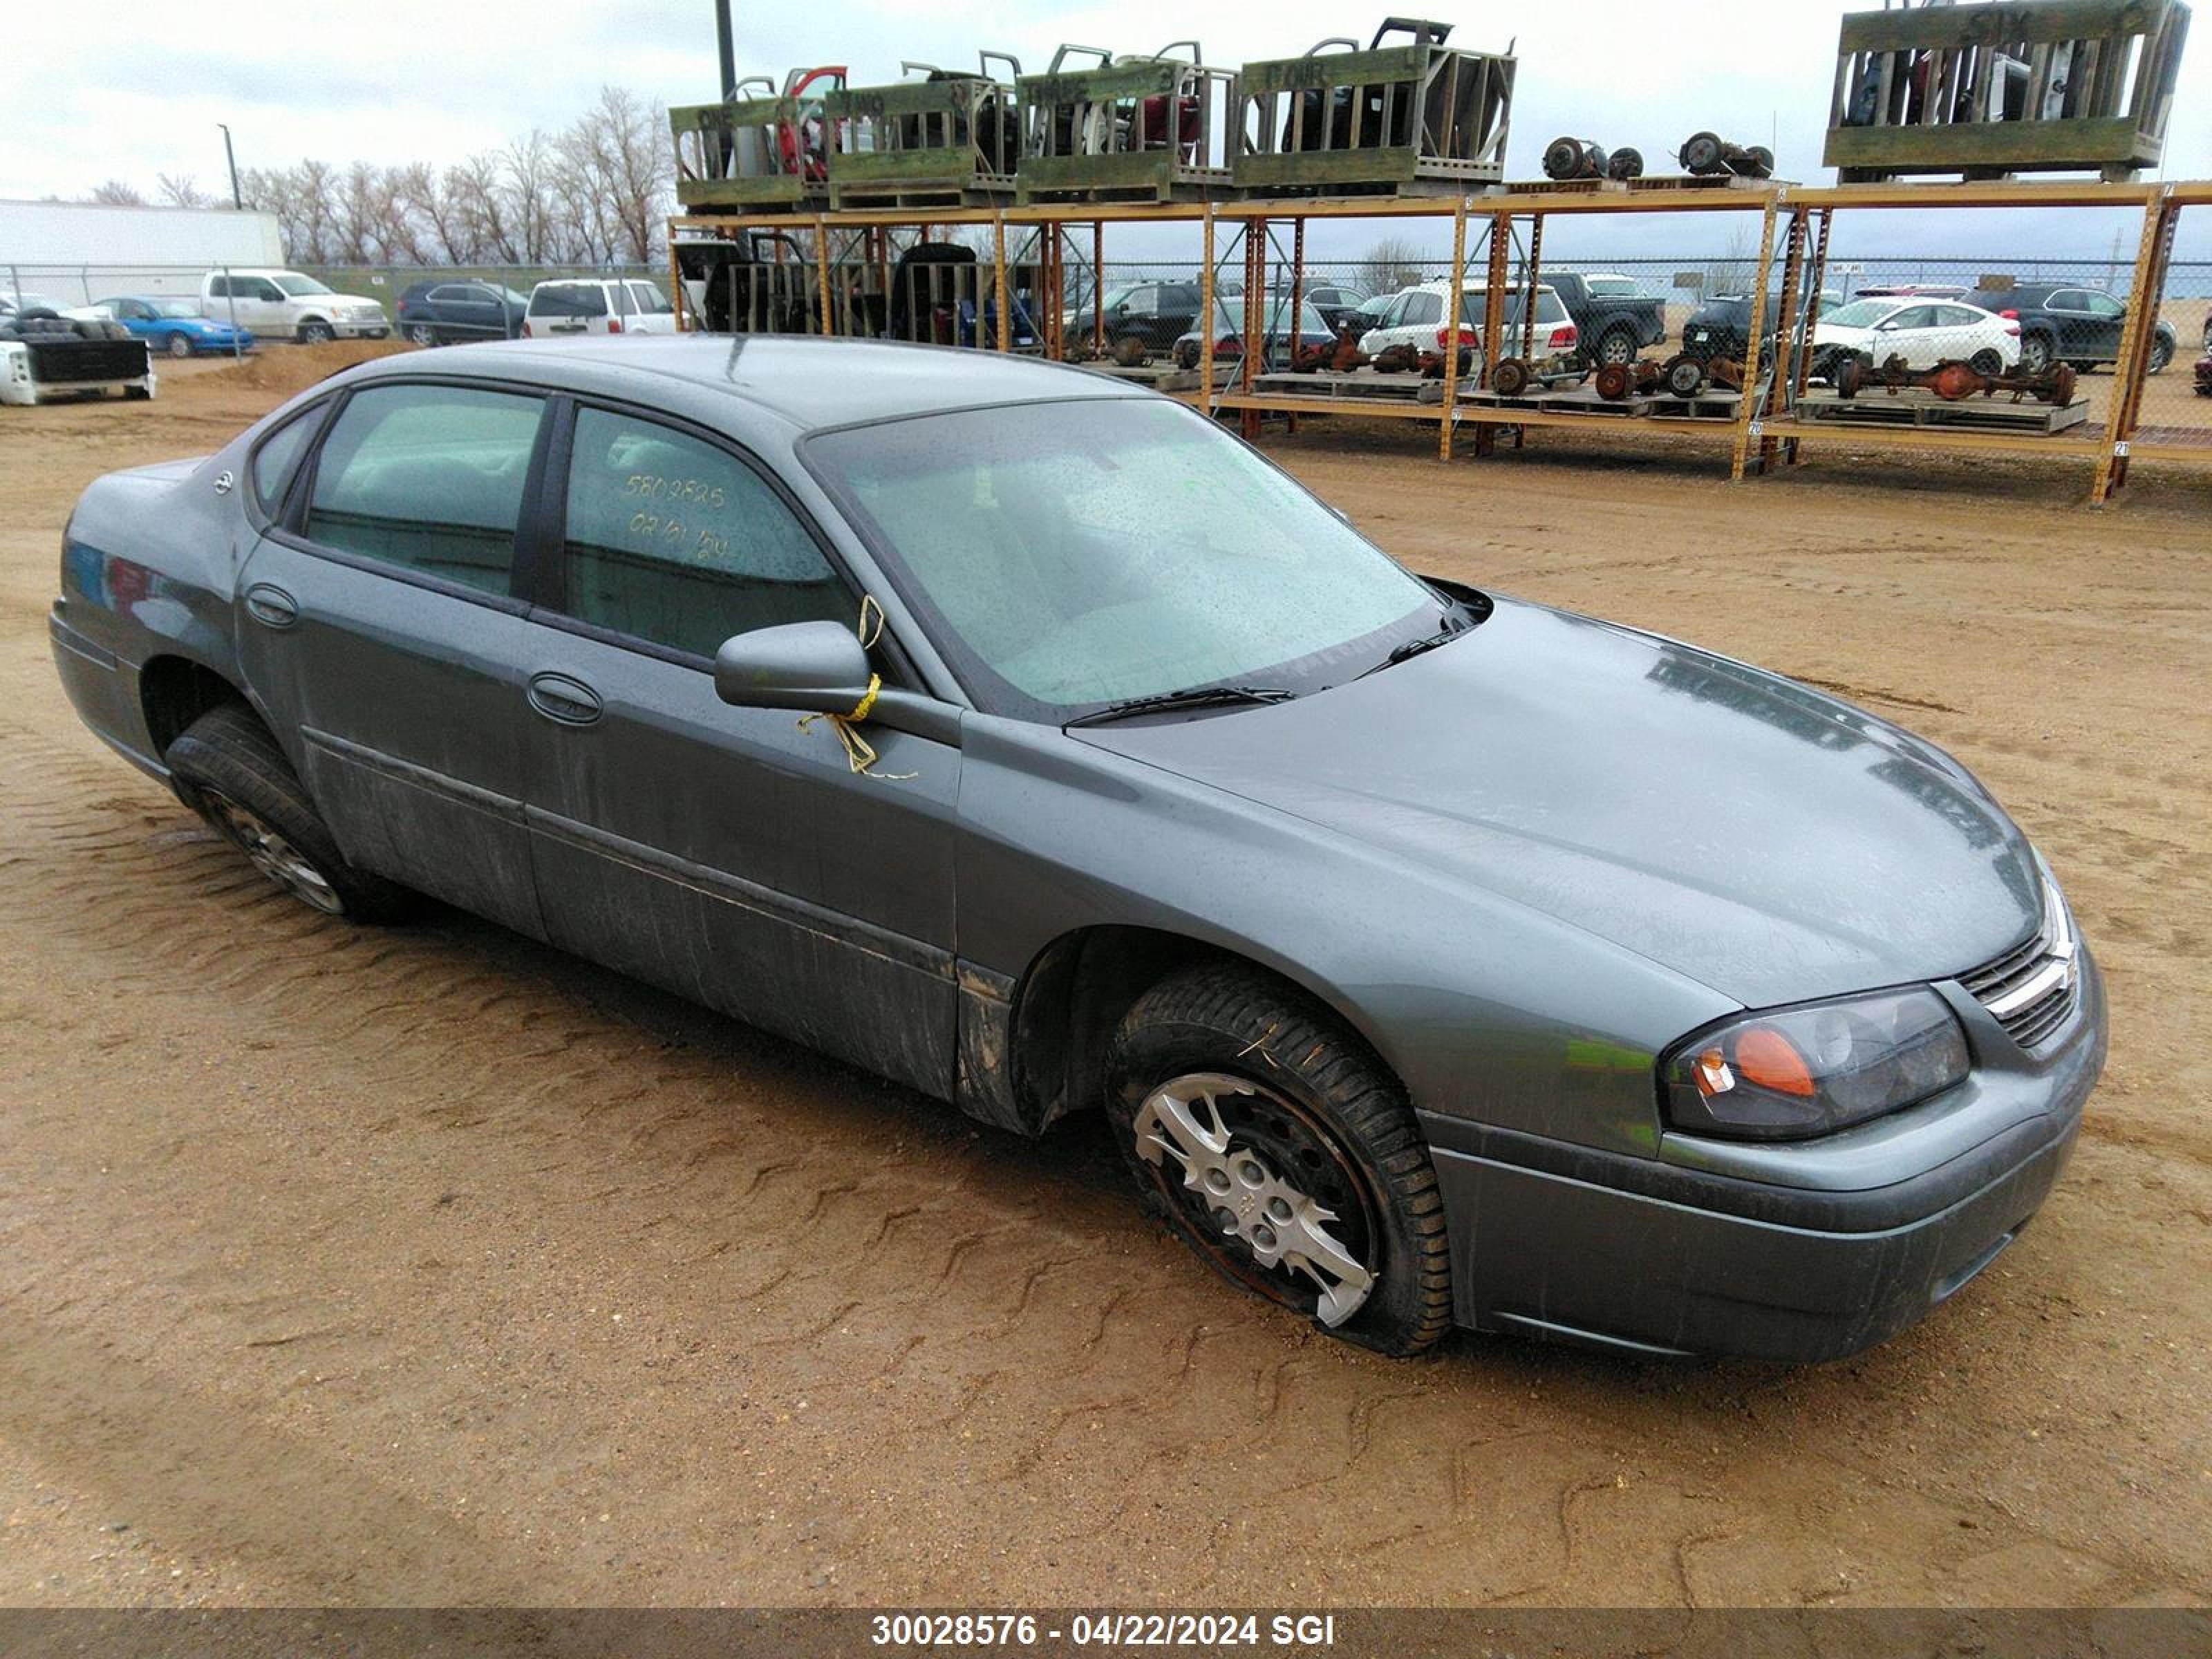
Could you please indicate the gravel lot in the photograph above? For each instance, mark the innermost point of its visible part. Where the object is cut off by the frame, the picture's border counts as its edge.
(428, 1266)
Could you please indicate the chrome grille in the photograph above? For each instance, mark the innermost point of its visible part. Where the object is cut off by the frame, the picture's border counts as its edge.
(2033, 988)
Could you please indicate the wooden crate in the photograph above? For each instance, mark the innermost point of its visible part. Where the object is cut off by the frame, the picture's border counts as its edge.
(1407, 120)
(1985, 90)
(1127, 130)
(758, 154)
(949, 140)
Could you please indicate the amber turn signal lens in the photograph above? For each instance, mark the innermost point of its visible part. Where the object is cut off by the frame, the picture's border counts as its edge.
(1768, 1059)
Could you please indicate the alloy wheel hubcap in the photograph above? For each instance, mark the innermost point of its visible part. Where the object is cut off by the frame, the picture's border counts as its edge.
(267, 850)
(1236, 1179)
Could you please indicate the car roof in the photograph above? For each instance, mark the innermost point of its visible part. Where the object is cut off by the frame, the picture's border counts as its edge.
(810, 382)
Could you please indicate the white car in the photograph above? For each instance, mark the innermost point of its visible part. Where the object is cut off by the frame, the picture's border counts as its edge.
(1923, 331)
(598, 305)
(289, 305)
(1415, 317)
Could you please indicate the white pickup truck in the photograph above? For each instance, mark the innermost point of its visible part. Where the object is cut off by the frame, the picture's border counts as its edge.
(289, 305)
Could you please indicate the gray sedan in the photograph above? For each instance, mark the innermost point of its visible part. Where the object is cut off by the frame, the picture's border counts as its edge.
(1436, 957)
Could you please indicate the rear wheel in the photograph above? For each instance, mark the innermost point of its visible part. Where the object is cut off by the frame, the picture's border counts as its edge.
(2162, 354)
(229, 771)
(1280, 1150)
(1617, 346)
(2035, 355)
(1986, 363)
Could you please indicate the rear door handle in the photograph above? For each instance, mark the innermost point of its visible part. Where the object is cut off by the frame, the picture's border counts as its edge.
(564, 701)
(272, 605)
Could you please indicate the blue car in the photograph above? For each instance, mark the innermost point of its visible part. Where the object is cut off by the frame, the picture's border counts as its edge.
(175, 326)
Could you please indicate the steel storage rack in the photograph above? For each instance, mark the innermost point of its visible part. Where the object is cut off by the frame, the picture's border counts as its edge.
(949, 139)
(1414, 117)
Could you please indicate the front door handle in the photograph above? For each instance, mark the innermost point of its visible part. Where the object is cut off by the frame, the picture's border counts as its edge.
(272, 605)
(564, 701)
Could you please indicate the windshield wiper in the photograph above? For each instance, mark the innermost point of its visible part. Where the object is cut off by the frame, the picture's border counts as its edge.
(1454, 625)
(1196, 696)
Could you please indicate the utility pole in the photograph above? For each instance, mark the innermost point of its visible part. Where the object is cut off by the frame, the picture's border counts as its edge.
(231, 156)
(727, 41)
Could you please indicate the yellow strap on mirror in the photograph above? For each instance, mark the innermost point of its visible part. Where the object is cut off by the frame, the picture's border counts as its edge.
(861, 753)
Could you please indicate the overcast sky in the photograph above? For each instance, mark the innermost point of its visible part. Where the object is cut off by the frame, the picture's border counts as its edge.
(403, 80)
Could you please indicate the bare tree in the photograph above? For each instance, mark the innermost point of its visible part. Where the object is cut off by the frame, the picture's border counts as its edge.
(113, 192)
(1390, 264)
(180, 190)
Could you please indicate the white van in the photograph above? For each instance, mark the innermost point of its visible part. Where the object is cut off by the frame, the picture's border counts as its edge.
(597, 305)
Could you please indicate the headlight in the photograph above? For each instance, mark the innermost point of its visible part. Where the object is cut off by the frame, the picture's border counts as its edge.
(1791, 1072)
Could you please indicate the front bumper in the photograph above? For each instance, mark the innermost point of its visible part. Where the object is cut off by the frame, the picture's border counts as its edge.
(1649, 1257)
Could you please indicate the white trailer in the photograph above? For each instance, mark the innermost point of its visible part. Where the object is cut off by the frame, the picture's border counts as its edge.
(75, 252)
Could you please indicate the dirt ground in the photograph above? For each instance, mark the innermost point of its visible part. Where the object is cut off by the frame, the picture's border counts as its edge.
(430, 1267)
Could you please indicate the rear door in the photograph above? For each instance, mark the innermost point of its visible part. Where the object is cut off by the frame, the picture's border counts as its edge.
(380, 630)
(732, 855)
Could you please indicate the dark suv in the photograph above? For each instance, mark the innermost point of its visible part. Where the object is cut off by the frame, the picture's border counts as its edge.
(2062, 323)
(1720, 326)
(460, 308)
(1158, 313)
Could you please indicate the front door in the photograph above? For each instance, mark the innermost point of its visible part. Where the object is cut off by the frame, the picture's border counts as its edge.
(380, 630)
(726, 853)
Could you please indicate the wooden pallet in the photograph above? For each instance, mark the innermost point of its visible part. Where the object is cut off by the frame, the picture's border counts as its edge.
(1659, 185)
(1574, 400)
(1350, 387)
(863, 198)
(1917, 408)
(1705, 406)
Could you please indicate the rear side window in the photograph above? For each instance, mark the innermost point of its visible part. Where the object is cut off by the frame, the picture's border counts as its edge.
(570, 300)
(676, 542)
(428, 477)
(278, 458)
(649, 298)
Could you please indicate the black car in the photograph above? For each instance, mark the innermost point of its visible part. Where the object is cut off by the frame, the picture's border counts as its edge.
(1720, 326)
(2071, 324)
(441, 312)
(1158, 313)
(1335, 300)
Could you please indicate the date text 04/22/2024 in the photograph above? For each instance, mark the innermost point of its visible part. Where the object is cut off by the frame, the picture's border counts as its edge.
(1110, 1630)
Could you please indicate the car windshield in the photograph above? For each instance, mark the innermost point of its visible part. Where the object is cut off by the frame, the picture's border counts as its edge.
(1860, 314)
(1072, 555)
(176, 308)
(296, 285)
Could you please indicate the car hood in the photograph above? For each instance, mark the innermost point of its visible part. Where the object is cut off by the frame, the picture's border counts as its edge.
(1768, 841)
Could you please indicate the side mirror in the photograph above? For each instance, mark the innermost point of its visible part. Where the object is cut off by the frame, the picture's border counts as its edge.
(814, 667)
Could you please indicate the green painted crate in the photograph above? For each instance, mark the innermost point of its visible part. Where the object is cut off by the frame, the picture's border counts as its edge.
(949, 139)
(2010, 86)
(758, 153)
(1401, 118)
(1127, 129)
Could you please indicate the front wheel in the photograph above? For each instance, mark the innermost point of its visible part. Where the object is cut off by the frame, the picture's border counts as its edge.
(2162, 354)
(1278, 1148)
(180, 345)
(316, 333)
(229, 771)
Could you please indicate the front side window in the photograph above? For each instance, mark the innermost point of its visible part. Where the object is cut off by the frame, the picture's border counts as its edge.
(299, 287)
(673, 540)
(1072, 555)
(428, 477)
